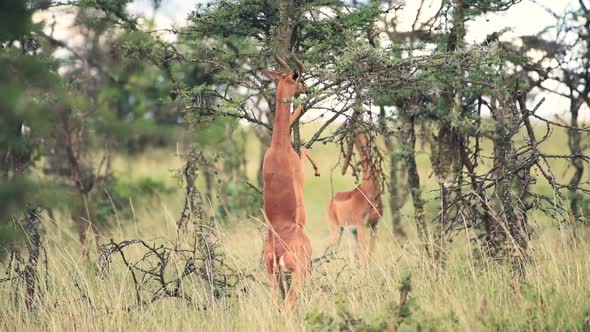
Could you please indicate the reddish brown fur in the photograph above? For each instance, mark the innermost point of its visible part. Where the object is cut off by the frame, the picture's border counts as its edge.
(283, 172)
(361, 207)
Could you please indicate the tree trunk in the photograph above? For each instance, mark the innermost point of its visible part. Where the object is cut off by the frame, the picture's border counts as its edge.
(446, 154)
(83, 178)
(575, 145)
(409, 156)
(397, 192)
(397, 195)
(503, 147)
(32, 229)
(203, 226)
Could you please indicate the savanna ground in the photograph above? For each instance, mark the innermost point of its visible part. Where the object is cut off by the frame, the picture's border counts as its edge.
(472, 294)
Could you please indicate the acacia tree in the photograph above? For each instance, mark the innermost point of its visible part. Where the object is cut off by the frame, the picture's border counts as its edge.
(455, 112)
(567, 45)
(441, 108)
(114, 102)
(352, 69)
(70, 147)
(29, 84)
(450, 98)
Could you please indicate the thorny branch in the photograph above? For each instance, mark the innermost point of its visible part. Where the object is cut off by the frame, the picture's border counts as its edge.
(163, 270)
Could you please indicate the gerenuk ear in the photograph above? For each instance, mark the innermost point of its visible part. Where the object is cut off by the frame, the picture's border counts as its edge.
(275, 75)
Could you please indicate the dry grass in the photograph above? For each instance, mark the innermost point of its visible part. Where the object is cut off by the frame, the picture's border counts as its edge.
(471, 295)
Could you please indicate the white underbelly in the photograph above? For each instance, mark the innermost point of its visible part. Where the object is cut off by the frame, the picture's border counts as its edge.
(282, 264)
(350, 228)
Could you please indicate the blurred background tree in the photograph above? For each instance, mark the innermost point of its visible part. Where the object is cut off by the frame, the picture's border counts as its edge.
(30, 86)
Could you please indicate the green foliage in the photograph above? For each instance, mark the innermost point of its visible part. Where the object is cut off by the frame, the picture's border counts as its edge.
(344, 320)
(28, 82)
(149, 186)
(24, 81)
(133, 111)
(210, 134)
(115, 196)
(583, 203)
(475, 8)
(17, 195)
(403, 316)
(116, 11)
(225, 18)
(331, 37)
(242, 200)
(13, 193)
(235, 33)
(583, 323)
(224, 141)
(15, 18)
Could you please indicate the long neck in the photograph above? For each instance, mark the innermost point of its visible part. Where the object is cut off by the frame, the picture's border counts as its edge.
(370, 180)
(281, 132)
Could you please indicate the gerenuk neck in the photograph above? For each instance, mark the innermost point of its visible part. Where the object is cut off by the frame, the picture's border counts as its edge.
(370, 181)
(281, 132)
